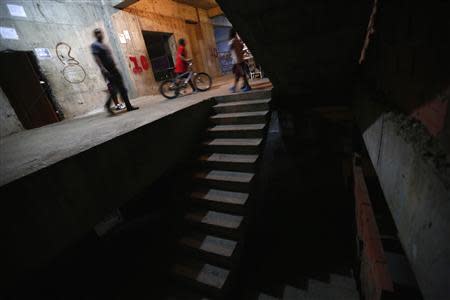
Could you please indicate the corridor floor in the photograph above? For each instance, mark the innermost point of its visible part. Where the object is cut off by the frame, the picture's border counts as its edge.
(31, 150)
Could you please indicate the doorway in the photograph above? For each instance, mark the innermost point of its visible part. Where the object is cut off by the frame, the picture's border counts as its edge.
(26, 89)
(159, 50)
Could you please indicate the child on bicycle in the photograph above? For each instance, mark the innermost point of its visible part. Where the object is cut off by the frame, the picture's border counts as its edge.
(182, 64)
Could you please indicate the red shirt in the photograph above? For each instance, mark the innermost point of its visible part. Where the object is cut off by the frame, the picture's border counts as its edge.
(180, 65)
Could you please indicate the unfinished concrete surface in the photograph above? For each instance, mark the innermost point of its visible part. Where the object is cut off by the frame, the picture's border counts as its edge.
(59, 177)
(184, 21)
(79, 89)
(32, 150)
(77, 85)
(414, 173)
(8, 119)
(320, 53)
(383, 62)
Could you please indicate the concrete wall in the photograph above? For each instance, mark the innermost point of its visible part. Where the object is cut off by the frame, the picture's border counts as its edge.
(311, 49)
(143, 83)
(51, 209)
(414, 173)
(48, 23)
(170, 17)
(407, 61)
(402, 108)
(9, 123)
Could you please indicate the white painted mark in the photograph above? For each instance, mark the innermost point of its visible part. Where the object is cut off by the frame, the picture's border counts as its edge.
(42, 53)
(127, 34)
(122, 38)
(8, 33)
(16, 10)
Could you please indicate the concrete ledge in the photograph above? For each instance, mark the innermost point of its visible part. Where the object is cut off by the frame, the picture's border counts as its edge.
(29, 151)
(60, 180)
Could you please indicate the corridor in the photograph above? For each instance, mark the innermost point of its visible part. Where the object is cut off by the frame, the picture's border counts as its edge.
(225, 150)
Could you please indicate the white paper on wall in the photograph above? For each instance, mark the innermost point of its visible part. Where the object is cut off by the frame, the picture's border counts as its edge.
(42, 53)
(8, 33)
(127, 34)
(16, 10)
(122, 38)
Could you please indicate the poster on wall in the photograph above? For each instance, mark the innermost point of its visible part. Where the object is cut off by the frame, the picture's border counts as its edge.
(127, 34)
(42, 53)
(16, 10)
(8, 33)
(122, 38)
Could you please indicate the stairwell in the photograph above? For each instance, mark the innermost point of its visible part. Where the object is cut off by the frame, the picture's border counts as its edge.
(339, 287)
(214, 227)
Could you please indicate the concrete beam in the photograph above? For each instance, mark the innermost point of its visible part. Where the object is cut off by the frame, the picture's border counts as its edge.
(414, 176)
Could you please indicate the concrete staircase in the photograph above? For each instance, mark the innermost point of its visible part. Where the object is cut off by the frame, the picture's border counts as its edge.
(339, 288)
(209, 249)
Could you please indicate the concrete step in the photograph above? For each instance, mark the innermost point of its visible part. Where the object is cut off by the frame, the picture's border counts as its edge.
(233, 146)
(237, 131)
(230, 162)
(210, 248)
(216, 223)
(201, 276)
(221, 200)
(255, 117)
(254, 95)
(225, 180)
(242, 106)
(266, 297)
(327, 291)
(342, 281)
(292, 293)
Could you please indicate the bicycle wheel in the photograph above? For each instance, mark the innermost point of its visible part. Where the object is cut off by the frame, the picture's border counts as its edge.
(202, 81)
(169, 89)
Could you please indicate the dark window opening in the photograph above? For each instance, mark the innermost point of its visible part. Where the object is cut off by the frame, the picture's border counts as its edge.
(159, 51)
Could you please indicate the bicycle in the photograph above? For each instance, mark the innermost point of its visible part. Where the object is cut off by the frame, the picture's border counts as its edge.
(171, 88)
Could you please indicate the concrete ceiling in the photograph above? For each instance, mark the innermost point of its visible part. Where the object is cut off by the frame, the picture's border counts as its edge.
(205, 4)
(309, 49)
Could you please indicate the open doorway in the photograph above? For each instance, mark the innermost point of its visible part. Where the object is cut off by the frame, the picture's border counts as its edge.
(26, 89)
(222, 29)
(159, 50)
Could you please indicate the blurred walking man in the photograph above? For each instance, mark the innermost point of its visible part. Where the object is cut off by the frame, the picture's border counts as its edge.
(237, 54)
(103, 58)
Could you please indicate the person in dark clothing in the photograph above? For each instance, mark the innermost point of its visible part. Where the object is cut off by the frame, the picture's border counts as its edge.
(103, 58)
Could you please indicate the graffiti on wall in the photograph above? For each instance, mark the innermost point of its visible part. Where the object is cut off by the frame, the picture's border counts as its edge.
(144, 63)
(73, 71)
(226, 62)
